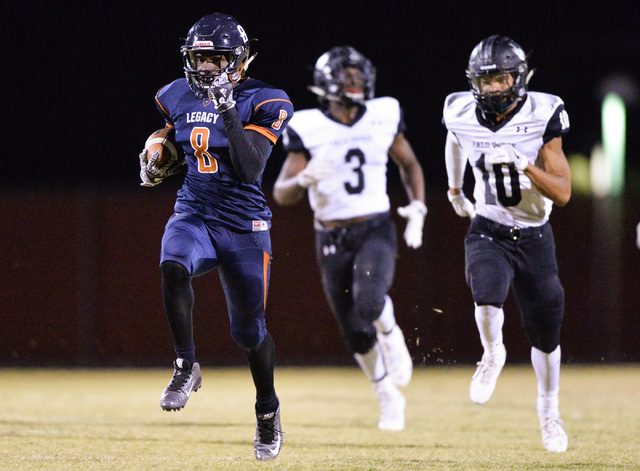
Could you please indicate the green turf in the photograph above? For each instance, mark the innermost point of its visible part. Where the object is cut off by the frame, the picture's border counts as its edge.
(110, 419)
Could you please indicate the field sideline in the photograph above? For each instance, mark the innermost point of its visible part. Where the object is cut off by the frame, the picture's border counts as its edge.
(110, 419)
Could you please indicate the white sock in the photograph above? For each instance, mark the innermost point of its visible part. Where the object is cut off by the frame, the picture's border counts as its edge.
(372, 364)
(387, 320)
(490, 320)
(547, 368)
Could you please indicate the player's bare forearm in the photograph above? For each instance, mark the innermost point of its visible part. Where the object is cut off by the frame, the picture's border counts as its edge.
(286, 190)
(553, 179)
(413, 181)
(555, 187)
(410, 170)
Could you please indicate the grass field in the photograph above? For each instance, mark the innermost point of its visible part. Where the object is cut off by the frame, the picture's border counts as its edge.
(110, 419)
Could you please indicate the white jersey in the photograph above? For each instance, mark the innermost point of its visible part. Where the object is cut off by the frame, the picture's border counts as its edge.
(359, 185)
(502, 193)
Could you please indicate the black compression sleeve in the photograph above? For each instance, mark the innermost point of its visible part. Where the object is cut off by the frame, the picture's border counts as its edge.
(249, 150)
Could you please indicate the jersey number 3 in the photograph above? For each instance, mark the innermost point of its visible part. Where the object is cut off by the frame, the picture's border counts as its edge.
(200, 144)
(359, 186)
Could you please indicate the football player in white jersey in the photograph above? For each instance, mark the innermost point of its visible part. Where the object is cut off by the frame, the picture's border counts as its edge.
(339, 153)
(512, 139)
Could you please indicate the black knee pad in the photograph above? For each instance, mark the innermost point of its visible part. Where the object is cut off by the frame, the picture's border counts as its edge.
(543, 331)
(546, 342)
(361, 342)
(368, 308)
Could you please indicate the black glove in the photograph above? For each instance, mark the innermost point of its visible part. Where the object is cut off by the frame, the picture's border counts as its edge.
(221, 93)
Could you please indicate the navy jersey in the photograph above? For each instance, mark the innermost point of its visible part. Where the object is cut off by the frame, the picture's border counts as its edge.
(212, 188)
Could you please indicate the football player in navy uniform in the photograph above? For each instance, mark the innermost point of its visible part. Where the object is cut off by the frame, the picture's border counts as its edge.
(339, 154)
(512, 139)
(226, 123)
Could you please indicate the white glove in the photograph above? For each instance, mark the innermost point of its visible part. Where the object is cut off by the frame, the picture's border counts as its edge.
(506, 154)
(461, 205)
(316, 170)
(415, 213)
(222, 93)
(638, 235)
(152, 175)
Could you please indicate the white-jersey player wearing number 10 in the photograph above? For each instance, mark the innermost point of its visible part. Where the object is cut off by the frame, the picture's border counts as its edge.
(339, 153)
(512, 139)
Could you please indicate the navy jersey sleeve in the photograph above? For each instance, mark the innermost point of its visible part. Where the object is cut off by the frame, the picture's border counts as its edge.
(558, 124)
(163, 108)
(272, 111)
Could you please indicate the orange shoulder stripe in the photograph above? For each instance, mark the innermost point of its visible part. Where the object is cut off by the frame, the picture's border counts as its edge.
(265, 132)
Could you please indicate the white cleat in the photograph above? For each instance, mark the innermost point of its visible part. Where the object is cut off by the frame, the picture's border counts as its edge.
(268, 439)
(392, 405)
(554, 438)
(186, 379)
(484, 380)
(396, 356)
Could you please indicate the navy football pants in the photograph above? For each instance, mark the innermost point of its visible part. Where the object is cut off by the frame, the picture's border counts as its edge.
(243, 261)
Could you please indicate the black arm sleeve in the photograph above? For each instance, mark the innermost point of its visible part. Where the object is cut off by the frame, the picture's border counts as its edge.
(249, 150)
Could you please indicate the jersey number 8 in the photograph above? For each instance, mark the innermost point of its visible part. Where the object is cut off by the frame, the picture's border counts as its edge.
(200, 144)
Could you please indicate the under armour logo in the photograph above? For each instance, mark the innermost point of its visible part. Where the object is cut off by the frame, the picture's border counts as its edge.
(328, 249)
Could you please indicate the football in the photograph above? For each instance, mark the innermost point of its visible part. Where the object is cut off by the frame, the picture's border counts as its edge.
(163, 141)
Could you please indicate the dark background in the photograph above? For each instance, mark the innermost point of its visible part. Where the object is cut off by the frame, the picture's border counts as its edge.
(80, 238)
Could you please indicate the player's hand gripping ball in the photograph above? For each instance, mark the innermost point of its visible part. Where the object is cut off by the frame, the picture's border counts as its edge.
(160, 158)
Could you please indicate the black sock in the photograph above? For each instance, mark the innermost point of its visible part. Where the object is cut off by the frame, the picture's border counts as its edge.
(188, 353)
(261, 363)
(178, 299)
(267, 404)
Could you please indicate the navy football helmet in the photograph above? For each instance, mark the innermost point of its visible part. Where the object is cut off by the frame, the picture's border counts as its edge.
(497, 55)
(328, 78)
(215, 34)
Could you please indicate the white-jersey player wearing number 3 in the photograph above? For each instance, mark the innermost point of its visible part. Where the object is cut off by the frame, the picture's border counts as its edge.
(512, 139)
(339, 153)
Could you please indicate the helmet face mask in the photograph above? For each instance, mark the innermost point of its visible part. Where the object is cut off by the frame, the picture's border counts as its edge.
(495, 59)
(343, 75)
(213, 36)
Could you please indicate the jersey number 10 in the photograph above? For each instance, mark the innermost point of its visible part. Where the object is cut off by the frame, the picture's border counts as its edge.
(506, 200)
